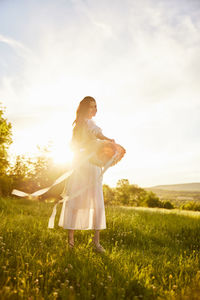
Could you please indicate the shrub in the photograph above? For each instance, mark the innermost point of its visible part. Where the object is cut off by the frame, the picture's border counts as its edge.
(191, 206)
(168, 205)
(151, 200)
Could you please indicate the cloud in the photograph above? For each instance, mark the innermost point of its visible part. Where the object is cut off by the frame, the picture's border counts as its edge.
(19, 48)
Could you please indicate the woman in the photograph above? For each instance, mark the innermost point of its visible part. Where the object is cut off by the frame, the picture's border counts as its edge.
(86, 211)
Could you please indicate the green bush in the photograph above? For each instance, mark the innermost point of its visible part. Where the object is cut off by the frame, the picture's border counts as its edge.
(168, 205)
(191, 206)
(151, 200)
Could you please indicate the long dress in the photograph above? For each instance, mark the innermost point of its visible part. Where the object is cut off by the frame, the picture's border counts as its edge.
(87, 210)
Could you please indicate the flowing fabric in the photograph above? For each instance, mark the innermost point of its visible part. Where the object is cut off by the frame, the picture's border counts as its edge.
(72, 212)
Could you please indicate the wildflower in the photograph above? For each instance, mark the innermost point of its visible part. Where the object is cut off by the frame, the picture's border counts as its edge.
(67, 281)
(66, 270)
(55, 294)
(170, 276)
(70, 266)
(92, 295)
(109, 277)
(101, 283)
(71, 287)
(175, 286)
(89, 283)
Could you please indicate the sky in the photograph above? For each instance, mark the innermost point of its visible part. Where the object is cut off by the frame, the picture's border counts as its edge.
(140, 60)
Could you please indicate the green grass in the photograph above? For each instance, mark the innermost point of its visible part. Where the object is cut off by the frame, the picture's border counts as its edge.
(149, 255)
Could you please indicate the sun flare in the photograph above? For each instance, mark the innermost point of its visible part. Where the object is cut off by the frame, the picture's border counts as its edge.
(62, 155)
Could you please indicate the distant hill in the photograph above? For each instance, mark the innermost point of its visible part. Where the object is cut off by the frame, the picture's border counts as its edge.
(190, 187)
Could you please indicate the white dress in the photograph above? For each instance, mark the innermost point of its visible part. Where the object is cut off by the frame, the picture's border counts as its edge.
(86, 211)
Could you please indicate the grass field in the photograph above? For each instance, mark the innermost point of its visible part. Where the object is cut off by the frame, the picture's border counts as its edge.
(149, 255)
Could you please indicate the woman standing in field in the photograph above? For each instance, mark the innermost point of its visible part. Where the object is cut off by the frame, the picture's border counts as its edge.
(86, 211)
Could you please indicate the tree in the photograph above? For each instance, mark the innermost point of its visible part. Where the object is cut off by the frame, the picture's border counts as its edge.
(30, 174)
(128, 194)
(5, 141)
(109, 194)
(20, 173)
(151, 200)
(122, 191)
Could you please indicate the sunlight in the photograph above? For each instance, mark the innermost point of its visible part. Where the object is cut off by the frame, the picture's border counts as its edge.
(61, 154)
(55, 136)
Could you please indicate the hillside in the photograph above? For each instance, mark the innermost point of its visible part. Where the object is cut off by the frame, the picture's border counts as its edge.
(178, 194)
(190, 187)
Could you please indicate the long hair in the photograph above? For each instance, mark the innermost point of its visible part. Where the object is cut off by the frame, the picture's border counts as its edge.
(81, 114)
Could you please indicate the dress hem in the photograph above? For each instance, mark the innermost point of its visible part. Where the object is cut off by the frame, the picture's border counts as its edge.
(84, 228)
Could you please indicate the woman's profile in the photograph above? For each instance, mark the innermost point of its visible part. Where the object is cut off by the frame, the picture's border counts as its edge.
(87, 210)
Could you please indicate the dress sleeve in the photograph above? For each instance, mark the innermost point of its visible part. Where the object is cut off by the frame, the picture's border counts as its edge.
(93, 128)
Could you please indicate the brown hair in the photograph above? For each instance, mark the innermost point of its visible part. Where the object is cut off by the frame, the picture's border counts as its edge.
(81, 114)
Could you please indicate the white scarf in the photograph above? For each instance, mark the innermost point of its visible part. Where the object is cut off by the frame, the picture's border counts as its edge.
(62, 178)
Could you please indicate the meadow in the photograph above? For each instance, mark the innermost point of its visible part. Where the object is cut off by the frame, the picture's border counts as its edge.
(149, 255)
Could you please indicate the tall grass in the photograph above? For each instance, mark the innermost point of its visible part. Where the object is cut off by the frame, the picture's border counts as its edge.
(149, 255)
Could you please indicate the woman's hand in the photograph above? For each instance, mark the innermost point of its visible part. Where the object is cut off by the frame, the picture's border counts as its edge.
(103, 137)
(112, 140)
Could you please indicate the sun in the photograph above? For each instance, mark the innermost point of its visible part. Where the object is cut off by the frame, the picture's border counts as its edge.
(61, 154)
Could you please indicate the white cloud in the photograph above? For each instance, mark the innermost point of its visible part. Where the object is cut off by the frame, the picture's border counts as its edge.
(19, 48)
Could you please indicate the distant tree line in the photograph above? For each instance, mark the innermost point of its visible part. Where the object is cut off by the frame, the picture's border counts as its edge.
(132, 195)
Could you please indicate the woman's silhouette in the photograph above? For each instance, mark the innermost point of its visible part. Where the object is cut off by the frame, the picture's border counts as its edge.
(86, 211)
